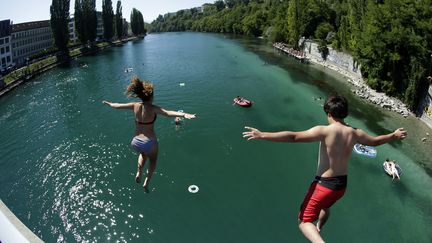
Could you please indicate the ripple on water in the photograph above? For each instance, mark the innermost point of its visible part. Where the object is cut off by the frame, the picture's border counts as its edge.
(73, 176)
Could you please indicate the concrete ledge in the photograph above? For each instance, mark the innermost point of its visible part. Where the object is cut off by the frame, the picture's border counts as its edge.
(12, 229)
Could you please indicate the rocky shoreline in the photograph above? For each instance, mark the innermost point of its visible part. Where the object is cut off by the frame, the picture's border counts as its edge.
(364, 91)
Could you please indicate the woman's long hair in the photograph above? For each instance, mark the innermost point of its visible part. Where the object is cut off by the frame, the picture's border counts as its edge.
(140, 89)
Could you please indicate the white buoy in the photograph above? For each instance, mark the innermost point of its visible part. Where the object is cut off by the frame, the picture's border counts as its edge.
(182, 84)
(193, 189)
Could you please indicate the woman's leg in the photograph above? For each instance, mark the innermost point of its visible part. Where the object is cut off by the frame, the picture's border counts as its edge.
(141, 161)
(153, 159)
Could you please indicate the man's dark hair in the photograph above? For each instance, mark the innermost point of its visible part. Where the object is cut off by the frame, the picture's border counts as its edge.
(336, 106)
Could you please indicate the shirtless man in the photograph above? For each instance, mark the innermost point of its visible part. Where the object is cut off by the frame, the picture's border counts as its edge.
(336, 142)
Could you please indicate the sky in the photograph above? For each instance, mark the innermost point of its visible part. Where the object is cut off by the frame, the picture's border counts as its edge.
(20, 11)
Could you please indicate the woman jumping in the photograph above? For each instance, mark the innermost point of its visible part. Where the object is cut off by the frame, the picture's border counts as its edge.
(145, 140)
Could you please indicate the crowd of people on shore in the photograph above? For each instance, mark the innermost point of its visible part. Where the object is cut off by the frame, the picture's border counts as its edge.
(290, 51)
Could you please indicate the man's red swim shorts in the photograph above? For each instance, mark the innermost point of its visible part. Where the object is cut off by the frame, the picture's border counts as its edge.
(318, 197)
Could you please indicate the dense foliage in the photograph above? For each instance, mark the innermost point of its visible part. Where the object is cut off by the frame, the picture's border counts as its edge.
(119, 20)
(59, 24)
(390, 39)
(137, 22)
(108, 19)
(86, 20)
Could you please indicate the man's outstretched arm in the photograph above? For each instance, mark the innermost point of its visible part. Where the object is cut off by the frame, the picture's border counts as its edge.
(314, 134)
(367, 139)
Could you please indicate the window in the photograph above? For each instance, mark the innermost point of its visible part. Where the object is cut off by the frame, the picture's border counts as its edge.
(8, 58)
(1, 41)
(3, 61)
(2, 50)
(7, 40)
(13, 45)
(7, 48)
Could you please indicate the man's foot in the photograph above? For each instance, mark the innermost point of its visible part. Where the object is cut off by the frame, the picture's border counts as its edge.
(319, 227)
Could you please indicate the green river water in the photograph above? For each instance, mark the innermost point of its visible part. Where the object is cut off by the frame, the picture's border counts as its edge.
(67, 168)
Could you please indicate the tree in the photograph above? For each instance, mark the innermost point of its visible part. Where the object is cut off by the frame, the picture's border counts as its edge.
(219, 5)
(296, 23)
(59, 23)
(119, 20)
(137, 22)
(86, 20)
(79, 23)
(108, 19)
(90, 19)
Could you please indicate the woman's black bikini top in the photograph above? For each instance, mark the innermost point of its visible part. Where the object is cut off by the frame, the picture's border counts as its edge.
(147, 123)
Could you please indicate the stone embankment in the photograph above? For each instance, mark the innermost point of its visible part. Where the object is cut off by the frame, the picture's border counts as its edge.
(344, 64)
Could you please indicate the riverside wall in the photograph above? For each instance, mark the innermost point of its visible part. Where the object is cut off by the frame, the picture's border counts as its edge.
(345, 64)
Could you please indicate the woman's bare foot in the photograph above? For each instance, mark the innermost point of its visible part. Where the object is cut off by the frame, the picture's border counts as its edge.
(138, 176)
(145, 185)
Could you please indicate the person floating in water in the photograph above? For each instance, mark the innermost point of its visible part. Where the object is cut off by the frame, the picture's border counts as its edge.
(177, 120)
(391, 167)
(145, 140)
(336, 142)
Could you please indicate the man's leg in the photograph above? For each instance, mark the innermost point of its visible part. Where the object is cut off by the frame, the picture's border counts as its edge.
(310, 231)
(323, 216)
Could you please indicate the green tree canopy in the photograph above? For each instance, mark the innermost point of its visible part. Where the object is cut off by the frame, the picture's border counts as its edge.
(108, 19)
(59, 24)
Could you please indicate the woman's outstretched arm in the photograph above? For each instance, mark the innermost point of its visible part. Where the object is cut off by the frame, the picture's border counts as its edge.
(119, 105)
(164, 112)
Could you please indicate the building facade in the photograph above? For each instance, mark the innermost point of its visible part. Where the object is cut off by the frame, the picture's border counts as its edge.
(29, 39)
(72, 32)
(73, 35)
(100, 27)
(6, 59)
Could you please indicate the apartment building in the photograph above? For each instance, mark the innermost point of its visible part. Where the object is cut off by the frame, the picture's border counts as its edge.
(30, 38)
(6, 59)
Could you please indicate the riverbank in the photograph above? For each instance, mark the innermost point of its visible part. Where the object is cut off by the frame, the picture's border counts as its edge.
(345, 65)
(365, 92)
(32, 70)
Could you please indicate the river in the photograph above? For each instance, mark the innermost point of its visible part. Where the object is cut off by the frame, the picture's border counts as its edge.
(67, 168)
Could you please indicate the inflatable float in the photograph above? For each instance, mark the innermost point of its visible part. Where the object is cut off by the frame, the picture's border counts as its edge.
(242, 102)
(193, 189)
(365, 150)
(388, 171)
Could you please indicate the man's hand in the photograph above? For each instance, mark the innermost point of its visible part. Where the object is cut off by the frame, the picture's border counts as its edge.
(400, 133)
